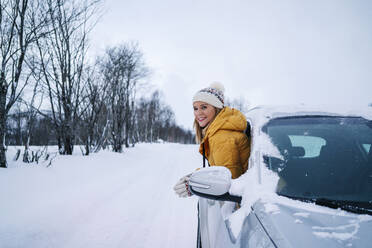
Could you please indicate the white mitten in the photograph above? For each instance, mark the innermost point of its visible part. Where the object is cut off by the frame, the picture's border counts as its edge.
(182, 187)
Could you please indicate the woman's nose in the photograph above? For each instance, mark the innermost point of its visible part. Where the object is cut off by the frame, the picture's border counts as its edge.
(197, 112)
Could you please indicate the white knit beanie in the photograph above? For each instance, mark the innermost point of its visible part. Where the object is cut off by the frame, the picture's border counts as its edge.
(212, 95)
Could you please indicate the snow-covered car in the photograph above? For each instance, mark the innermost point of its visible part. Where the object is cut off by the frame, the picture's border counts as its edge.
(309, 183)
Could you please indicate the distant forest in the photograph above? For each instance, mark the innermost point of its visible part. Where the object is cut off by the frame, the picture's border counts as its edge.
(152, 121)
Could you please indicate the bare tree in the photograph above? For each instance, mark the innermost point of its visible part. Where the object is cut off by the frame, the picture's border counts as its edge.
(22, 23)
(94, 114)
(15, 125)
(62, 57)
(32, 109)
(122, 67)
(141, 121)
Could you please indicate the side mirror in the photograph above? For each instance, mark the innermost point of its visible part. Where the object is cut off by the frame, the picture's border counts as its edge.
(212, 183)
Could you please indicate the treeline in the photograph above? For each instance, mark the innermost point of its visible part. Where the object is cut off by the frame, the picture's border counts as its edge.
(153, 122)
(44, 65)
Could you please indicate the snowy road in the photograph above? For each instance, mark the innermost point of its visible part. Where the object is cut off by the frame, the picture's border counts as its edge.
(104, 200)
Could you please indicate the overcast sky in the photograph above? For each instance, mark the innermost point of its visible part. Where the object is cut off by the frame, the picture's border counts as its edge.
(268, 51)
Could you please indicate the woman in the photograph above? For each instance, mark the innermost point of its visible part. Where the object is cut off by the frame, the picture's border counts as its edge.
(220, 133)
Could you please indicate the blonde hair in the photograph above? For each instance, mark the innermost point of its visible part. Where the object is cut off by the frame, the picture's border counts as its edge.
(199, 129)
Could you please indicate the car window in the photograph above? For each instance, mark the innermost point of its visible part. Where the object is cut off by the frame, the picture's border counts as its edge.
(367, 147)
(323, 157)
(310, 144)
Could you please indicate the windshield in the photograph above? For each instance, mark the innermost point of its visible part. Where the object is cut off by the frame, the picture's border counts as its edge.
(323, 158)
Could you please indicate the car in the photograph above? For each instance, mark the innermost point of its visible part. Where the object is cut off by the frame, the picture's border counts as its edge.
(309, 183)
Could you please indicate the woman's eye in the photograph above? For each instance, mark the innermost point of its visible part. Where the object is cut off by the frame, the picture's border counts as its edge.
(204, 107)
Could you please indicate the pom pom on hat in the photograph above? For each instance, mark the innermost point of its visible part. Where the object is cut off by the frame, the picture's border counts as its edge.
(214, 95)
(217, 86)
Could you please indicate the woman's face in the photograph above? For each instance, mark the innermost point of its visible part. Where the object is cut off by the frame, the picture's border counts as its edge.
(203, 113)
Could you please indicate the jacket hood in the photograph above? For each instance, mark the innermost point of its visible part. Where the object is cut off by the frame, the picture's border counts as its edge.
(228, 119)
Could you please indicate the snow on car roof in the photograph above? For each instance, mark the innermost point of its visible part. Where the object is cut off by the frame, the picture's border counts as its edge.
(259, 115)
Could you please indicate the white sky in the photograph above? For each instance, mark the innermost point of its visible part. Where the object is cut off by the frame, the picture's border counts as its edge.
(268, 51)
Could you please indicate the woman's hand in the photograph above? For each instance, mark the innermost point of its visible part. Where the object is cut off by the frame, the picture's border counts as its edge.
(182, 187)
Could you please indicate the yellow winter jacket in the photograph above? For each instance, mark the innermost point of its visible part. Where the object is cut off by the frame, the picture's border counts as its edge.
(225, 142)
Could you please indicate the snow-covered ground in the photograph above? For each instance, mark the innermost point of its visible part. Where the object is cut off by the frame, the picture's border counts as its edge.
(103, 200)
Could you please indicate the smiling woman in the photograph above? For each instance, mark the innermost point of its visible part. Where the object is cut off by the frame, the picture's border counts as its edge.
(220, 133)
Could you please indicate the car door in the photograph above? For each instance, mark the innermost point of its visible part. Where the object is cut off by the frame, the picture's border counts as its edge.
(214, 230)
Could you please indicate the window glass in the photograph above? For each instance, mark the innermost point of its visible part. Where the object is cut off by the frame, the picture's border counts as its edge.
(323, 157)
(311, 144)
(367, 147)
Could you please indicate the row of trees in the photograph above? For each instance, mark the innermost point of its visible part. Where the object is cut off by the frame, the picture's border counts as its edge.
(43, 65)
(153, 121)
